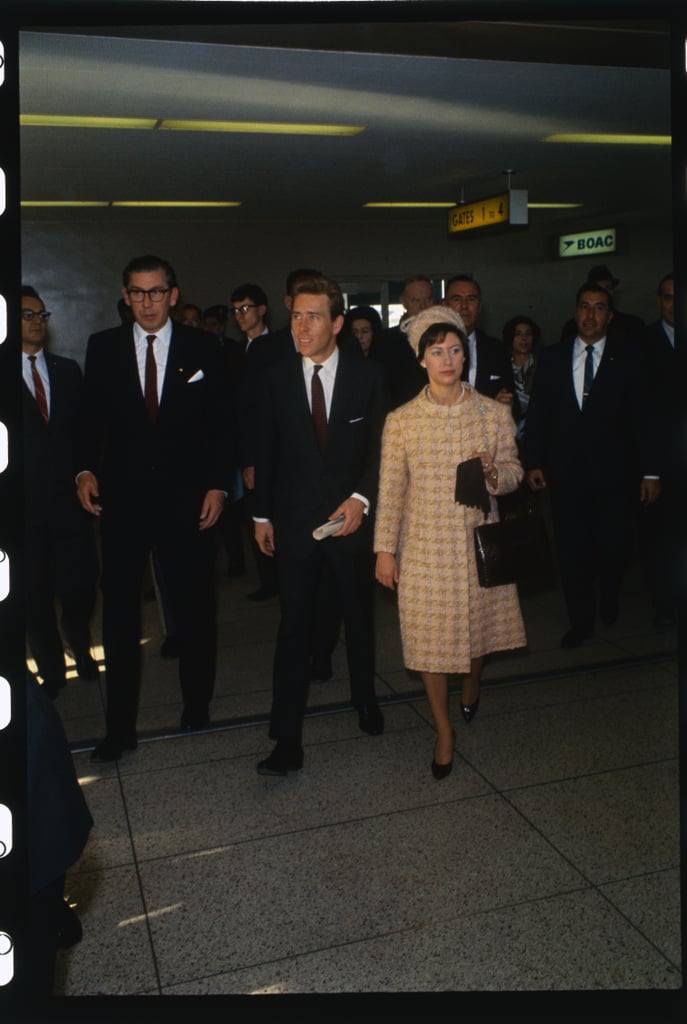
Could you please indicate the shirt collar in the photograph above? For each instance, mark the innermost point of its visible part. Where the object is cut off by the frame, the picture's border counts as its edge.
(164, 334)
(669, 329)
(329, 365)
(581, 346)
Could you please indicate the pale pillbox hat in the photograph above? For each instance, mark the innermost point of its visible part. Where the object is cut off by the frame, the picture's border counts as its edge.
(415, 326)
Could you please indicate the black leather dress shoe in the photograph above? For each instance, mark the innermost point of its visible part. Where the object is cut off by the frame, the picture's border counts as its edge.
(111, 750)
(53, 686)
(574, 638)
(87, 667)
(193, 719)
(70, 931)
(286, 757)
(370, 719)
(320, 672)
(170, 647)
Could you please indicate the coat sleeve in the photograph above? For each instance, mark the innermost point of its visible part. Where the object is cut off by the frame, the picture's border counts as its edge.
(393, 486)
(506, 455)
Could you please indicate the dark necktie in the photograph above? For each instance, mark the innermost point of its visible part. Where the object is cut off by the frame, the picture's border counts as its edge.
(319, 409)
(41, 399)
(588, 374)
(150, 390)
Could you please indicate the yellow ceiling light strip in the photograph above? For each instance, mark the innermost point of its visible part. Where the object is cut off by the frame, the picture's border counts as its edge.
(63, 202)
(161, 203)
(64, 121)
(171, 203)
(609, 140)
(411, 206)
(177, 125)
(553, 206)
(260, 127)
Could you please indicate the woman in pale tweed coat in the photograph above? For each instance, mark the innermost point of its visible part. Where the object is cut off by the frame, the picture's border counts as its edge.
(424, 538)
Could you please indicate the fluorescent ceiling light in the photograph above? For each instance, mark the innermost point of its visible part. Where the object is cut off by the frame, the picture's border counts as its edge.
(63, 202)
(63, 121)
(610, 140)
(176, 203)
(170, 202)
(552, 206)
(172, 124)
(260, 127)
(411, 206)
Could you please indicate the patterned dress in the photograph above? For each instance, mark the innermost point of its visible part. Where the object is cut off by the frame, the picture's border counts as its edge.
(446, 617)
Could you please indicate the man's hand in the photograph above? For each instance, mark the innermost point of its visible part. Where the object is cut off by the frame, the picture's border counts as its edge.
(87, 493)
(249, 478)
(352, 510)
(386, 569)
(213, 503)
(536, 479)
(649, 491)
(264, 538)
(504, 396)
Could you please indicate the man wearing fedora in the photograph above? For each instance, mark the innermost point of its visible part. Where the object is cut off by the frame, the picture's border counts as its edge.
(624, 326)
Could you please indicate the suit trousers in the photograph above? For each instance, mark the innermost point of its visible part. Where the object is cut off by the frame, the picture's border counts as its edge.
(593, 534)
(61, 562)
(349, 567)
(186, 558)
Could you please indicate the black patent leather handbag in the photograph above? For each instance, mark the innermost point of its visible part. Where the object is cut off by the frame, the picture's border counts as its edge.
(515, 550)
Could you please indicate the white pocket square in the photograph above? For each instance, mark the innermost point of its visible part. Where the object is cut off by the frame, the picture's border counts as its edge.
(198, 375)
(494, 376)
(358, 420)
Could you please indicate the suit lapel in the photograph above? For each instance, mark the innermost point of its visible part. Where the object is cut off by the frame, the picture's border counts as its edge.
(569, 395)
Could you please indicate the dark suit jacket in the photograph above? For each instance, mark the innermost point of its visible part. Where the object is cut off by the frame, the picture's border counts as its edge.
(610, 445)
(188, 452)
(405, 377)
(295, 485)
(494, 370)
(665, 387)
(49, 448)
(262, 352)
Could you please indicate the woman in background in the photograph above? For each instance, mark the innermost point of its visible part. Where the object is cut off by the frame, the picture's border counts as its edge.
(365, 324)
(521, 335)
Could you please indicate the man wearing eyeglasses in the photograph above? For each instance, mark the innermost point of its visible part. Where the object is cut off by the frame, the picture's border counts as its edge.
(61, 558)
(249, 306)
(155, 461)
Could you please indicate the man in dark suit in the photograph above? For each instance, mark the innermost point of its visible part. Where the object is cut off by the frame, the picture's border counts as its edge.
(404, 376)
(155, 462)
(660, 523)
(61, 558)
(261, 352)
(624, 326)
(321, 420)
(591, 439)
(488, 370)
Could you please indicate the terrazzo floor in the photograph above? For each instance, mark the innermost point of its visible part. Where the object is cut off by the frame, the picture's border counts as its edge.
(548, 862)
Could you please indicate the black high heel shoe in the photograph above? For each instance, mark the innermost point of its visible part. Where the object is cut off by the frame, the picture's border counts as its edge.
(469, 711)
(440, 771)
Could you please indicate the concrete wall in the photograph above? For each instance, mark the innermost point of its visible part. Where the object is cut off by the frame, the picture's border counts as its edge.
(76, 263)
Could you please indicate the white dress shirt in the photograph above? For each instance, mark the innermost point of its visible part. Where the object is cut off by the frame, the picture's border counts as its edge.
(670, 331)
(472, 371)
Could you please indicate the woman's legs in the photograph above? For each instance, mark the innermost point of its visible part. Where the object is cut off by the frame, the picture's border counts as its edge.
(470, 691)
(436, 688)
